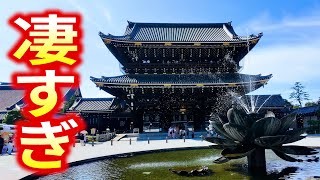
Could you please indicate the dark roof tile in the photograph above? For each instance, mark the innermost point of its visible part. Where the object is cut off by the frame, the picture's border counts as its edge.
(275, 100)
(9, 97)
(179, 32)
(92, 104)
(307, 110)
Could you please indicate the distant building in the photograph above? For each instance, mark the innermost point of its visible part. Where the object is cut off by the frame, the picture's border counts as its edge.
(103, 113)
(305, 114)
(264, 103)
(12, 99)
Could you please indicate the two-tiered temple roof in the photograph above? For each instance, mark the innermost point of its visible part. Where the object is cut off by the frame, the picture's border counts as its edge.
(183, 55)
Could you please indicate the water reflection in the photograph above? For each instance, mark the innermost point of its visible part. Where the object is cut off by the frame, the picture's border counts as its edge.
(95, 170)
(202, 161)
(157, 165)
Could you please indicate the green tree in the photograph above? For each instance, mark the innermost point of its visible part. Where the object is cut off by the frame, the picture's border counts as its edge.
(299, 94)
(296, 106)
(310, 104)
(68, 104)
(314, 126)
(12, 117)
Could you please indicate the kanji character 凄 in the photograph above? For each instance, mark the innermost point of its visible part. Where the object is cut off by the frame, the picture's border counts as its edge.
(52, 38)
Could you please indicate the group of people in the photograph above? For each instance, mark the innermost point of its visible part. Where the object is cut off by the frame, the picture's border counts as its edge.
(177, 132)
(83, 139)
(6, 147)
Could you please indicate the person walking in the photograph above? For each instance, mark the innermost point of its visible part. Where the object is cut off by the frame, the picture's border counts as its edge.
(10, 146)
(1, 144)
(82, 140)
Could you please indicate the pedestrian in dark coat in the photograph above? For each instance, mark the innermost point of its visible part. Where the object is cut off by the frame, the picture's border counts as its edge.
(1, 144)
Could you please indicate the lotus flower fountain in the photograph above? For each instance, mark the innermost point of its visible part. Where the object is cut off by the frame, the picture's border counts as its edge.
(242, 134)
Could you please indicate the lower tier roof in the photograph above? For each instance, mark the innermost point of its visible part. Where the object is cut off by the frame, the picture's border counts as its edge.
(92, 104)
(181, 79)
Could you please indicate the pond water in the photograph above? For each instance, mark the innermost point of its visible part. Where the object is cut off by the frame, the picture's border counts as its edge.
(157, 165)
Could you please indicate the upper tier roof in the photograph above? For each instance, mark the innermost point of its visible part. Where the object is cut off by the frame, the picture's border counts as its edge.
(179, 32)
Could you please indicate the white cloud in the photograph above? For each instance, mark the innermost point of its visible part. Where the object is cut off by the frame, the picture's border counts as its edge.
(104, 11)
(264, 23)
(84, 11)
(287, 62)
(291, 55)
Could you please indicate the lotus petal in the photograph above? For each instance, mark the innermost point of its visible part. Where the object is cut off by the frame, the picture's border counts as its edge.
(266, 127)
(287, 122)
(269, 141)
(237, 132)
(221, 160)
(238, 117)
(220, 141)
(296, 132)
(284, 156)
(294, 135)
(216, 118)
(296, 150)
(237, 152)
(230, 115)
(218, 127)
(291, 139)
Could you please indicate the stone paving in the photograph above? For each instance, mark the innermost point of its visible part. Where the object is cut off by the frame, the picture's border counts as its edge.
(9, 169)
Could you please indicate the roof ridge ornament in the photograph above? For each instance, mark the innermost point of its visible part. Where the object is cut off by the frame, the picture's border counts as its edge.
(230, 34)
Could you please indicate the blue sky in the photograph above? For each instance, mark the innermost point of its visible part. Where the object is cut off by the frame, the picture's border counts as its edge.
(289, 49)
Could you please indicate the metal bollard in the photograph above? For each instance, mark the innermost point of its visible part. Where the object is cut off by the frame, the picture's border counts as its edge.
(92, 143)
(111, 142)
(130, 141)
(184, 138)
(74, 144)
(166, 139)
(148, 141)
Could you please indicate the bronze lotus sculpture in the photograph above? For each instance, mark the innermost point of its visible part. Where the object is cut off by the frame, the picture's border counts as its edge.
(248, 135)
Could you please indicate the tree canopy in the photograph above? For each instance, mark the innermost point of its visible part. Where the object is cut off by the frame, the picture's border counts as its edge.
(299, 94)
(12, 117)
(310, 104)
(68, 104)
